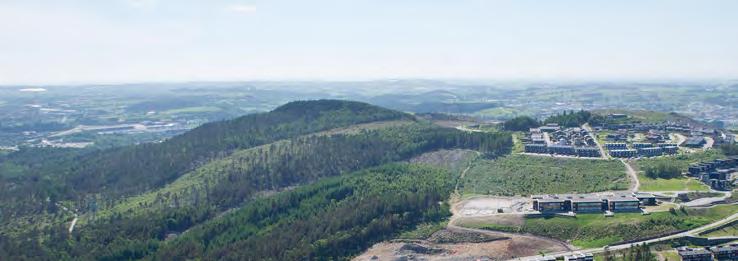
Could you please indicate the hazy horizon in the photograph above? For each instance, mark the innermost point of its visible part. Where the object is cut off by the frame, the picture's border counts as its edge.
(155, 41)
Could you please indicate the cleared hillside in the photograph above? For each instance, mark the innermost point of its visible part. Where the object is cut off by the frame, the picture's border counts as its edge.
(526, 175)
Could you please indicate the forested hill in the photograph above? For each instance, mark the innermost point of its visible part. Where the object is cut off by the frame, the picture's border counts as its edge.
(133, 169)
(136, 168)
(237, 186)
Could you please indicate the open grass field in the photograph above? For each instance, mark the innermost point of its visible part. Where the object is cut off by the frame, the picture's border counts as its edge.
(682, 161)
(679, 184)
(596, 230)
(524, 175)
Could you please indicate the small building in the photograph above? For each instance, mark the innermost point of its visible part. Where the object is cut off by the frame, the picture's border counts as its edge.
(695, 169)
(694, 142)
(646, 199)
(690, 254)
(729, 252)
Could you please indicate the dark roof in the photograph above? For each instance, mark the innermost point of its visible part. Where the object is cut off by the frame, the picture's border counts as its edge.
(694, 252)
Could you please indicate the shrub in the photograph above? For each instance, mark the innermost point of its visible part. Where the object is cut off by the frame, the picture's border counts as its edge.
(663, 170)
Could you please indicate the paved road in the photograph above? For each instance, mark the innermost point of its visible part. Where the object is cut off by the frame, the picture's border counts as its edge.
(708, 201)
(599, 146)
(692, 232)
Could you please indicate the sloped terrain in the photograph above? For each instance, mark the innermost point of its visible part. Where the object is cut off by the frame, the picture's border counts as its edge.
(179, 198)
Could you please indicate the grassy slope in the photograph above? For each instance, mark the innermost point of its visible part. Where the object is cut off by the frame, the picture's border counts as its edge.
(682, 161)
(596, 230)
(524, 175)
(731, 230)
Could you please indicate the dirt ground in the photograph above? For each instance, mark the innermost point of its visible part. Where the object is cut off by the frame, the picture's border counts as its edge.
(485, 206)
(504, 220)
(500, 249)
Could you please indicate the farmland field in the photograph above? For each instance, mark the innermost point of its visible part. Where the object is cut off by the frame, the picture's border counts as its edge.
(525, 175)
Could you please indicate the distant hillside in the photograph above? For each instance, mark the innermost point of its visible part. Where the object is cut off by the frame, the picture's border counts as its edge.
(650, 116)
(434, 101)
(136, 167)
(132, 169)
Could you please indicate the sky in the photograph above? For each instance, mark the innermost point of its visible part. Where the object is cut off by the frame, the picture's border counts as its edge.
(118, 41)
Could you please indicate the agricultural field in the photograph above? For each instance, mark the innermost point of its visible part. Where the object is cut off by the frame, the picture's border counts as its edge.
(596, 230)
(524, 175)
(682, 161)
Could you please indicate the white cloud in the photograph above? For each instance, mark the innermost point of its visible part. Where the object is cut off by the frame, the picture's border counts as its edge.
(242, 8)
